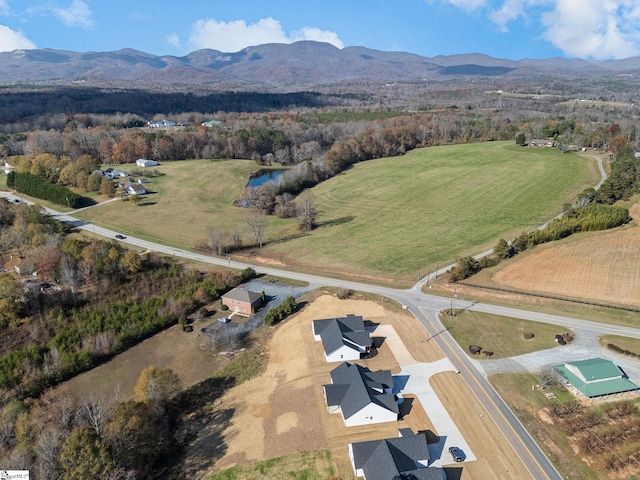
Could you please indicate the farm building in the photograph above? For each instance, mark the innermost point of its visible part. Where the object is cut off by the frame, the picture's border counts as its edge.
(361, 396)
(594, 377)
(241, 301)
(141, 162)
(406, 456)
(342, 338)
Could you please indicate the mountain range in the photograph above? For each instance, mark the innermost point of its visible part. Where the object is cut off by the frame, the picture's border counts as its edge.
(298, 63)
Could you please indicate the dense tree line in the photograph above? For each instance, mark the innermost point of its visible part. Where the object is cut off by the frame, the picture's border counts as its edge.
(39, 188)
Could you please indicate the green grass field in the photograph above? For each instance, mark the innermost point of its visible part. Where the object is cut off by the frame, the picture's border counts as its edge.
(501, 335)
(399, 216)
(188, 198)
(391, 218)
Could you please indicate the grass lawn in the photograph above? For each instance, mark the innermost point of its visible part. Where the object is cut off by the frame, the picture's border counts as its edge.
(625, 343)
(186, 200)
(386, 219)
(312, 465)
(501, 335)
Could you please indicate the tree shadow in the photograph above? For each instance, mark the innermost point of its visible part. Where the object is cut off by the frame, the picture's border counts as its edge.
(199, 429)
(146, 204)
(336, 221)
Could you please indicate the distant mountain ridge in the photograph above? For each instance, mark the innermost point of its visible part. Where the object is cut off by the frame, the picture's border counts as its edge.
(304, 62)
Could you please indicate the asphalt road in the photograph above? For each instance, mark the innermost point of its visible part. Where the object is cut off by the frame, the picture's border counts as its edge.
(425, 307)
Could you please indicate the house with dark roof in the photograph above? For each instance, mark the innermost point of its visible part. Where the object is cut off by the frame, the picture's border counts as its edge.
(244, 302)
(594, 377)
(342, 338)
(406, 456)
(135, 189)
(361, 396)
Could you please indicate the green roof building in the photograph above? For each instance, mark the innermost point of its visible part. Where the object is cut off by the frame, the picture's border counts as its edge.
(595, 377)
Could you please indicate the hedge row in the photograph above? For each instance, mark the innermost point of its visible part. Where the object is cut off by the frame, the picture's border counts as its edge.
(36, 187)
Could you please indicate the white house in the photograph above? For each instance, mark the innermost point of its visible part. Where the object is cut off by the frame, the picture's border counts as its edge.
(142, 162)
(135, 189)
(361, 396)
(342, 338)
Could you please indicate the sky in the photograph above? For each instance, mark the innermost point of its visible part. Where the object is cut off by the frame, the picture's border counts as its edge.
(511, 29)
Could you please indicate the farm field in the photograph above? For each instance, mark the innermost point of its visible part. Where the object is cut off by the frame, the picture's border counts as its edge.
(282, 412)
(401, 215)
(600, 267)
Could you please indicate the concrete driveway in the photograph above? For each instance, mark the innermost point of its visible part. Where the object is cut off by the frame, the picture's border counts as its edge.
(414, 378)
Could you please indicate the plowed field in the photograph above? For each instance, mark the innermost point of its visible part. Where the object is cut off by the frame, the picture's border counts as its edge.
(601, 267)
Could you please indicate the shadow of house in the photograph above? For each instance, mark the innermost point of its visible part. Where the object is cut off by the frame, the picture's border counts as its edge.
(406, 457)
(342, 338)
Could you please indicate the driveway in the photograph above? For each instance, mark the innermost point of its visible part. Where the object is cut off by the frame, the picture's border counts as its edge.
(276, 293)
(415, 378)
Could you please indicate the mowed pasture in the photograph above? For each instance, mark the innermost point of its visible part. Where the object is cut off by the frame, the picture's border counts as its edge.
(389, 219)
(397, 217)
(186, 200)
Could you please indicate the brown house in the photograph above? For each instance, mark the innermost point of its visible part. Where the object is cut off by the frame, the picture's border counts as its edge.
(241, 301)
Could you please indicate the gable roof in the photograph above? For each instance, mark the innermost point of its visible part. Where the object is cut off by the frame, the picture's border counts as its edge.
(241, 295)
(354, 387)
(595, 376)
(337, 332)
(395, 458)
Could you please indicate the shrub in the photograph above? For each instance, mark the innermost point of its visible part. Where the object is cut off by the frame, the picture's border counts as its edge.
(475, 349)
(528, 335)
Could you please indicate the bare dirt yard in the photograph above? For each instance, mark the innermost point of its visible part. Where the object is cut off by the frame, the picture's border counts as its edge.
(600, 267)
(283, 411)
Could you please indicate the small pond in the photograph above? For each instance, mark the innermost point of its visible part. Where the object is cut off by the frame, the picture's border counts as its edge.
(263, 176)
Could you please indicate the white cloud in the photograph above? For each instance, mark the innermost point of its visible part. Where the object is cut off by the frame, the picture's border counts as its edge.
(174, 39)
(11, 40)
(594, 28)
(77, 14)
(237, 34)
(467, 4)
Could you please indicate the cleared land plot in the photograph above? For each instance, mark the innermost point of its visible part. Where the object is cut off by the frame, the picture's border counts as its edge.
(598, 266)
(400, 214)
(282, 412)
(187, 354)
(504, 336)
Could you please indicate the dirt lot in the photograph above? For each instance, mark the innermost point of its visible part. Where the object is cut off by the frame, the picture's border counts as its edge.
(283, 410)
(600, 266)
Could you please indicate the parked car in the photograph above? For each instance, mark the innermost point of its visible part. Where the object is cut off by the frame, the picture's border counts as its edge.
(224, 319)
(456, 454)
(120, 237)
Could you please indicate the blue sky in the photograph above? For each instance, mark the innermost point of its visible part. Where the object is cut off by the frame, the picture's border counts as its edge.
(514, 29)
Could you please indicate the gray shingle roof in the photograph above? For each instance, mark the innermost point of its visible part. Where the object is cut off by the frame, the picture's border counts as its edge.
(242, 295)
(395, 458)
(334, 331)
(354, 387)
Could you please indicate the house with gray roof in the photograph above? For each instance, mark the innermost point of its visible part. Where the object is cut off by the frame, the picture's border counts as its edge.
(406, 456)
(342, 338)
(244, 302)
(594, 377)
(361, 396)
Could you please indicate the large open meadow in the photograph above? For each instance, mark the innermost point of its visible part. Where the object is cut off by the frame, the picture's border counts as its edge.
(387, 219)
